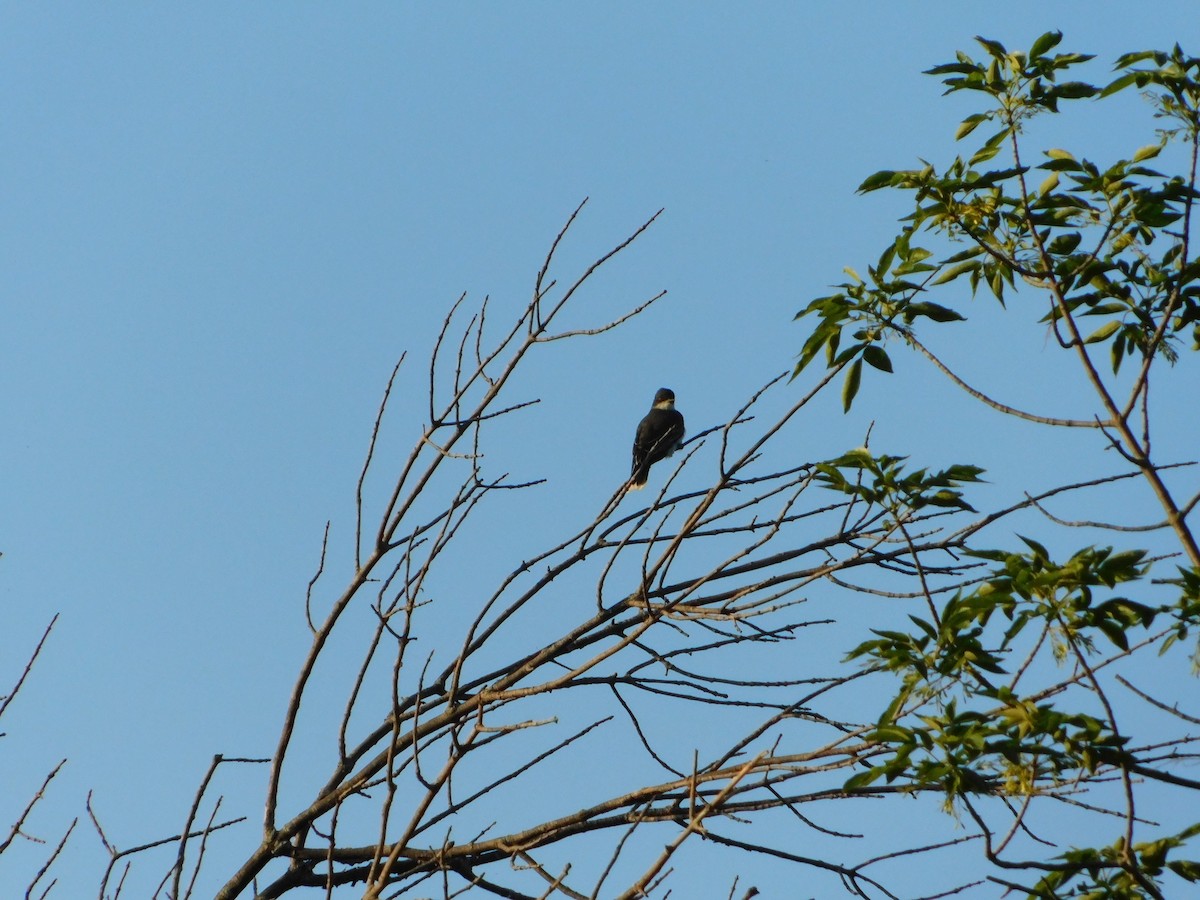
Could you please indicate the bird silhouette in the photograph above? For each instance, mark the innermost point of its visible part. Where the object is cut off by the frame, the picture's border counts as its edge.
(658, 435)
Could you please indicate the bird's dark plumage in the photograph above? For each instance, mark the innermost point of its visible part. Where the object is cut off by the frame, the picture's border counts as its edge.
(658, 435)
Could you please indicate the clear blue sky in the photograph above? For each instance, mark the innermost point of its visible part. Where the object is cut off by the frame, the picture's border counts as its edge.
(222, 223)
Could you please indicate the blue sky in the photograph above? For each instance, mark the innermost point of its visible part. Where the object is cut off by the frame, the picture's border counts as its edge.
(222, 224)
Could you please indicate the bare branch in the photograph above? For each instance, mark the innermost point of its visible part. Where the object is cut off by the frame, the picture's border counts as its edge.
(11, 695)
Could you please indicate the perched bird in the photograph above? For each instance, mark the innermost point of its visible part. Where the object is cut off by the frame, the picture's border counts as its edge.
(659, 435)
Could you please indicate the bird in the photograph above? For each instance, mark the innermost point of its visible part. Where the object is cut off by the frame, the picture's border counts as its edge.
(658, 435)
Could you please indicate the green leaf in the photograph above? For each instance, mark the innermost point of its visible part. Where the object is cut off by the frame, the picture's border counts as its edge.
(954, 68)
(818, 339)
(850, 387)
(969, 124)
(835, 340)
(954, 271)
(962, 472)
(990, 147)
(995, 48)
(1104, 331)
(1076, 90)
(1065, 244)
(1185, 869)
(1114, 632)
(862, 779)
(1125, 60)
(1148, 152)
(878, 180)
(1047, 41)
(1120, 84)
(996, 283)
(893, 733)
(1128, 611)
(846, 355)
(991, 179)
(885, 260)
(1118, 352)
(877, 357)
(889, 714)
(933, 311)
(972, 252)
(1037, 548)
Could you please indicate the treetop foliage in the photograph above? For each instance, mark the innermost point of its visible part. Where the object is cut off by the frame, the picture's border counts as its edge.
(1107, 249)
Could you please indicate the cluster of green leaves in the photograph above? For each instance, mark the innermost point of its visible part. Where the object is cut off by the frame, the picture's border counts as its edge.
(1084, 235)
(1107, 876)
(882, 481)
(1186, 614)
(960, 726)
(953, 725)
(870, 311)
(1106, 247)
(1030, 586)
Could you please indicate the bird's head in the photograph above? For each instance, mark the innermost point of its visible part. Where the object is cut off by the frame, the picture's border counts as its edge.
(664, 398)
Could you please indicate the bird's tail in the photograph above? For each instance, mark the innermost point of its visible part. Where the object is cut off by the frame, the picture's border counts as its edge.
(638, 481)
